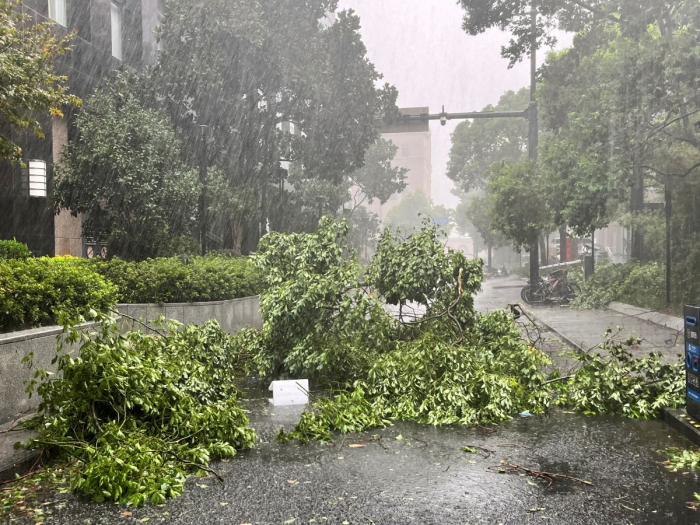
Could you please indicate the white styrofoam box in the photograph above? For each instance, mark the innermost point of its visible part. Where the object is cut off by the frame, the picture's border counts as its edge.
(292, 392)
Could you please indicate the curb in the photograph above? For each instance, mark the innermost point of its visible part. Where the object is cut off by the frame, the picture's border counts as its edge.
(565, 338)
(664, 320)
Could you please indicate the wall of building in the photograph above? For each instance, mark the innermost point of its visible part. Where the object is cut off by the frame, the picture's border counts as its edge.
(233, 316)
(31, 220)
(414, 143)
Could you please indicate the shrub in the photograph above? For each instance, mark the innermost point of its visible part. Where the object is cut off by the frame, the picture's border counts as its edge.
(633, 283)
(38, 292)
(181, 280)
(14, 250)
(135, 412)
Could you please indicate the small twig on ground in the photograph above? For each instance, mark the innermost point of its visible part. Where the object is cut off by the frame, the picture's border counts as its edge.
(511, 445)
(481, 449)
(29, 474)
(425, 443)
(510, 468)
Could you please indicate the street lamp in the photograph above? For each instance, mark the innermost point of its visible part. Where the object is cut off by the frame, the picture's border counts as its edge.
(36, 171)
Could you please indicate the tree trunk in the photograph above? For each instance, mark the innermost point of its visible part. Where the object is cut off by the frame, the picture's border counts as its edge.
(534, 260)
(489, 256)
(636, 207)
(543, 252)
(236, 225)
(562, 243)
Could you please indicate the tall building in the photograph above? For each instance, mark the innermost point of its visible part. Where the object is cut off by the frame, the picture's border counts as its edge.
(110, 33)
(414, 153)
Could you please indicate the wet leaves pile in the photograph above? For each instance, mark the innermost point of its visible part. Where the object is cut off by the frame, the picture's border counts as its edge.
(135, 412)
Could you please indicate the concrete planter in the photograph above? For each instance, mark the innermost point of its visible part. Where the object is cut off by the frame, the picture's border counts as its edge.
(233, 316)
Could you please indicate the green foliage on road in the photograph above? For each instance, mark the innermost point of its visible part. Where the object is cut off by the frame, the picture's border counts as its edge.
(39, 292)
(181, 280)
(29, 87)
(445, 365)
(612, 381)
(136, 411)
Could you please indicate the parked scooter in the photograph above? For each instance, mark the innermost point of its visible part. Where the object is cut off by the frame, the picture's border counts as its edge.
(489, 273)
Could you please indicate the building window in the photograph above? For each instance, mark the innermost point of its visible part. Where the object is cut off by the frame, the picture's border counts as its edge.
(117, 14)
(57, 12)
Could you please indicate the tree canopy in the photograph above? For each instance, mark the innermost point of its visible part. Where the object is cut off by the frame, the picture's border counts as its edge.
(28, 84)
(286, 88)
(126, 175)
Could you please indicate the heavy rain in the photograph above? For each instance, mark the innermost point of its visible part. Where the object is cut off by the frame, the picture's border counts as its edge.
(349, 261)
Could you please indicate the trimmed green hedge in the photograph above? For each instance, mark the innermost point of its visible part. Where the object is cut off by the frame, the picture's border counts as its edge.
(14, 250)
(177, 280)
(35, 292)
(637, 284)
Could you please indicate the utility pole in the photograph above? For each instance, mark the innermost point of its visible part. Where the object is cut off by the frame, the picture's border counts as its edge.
(203, 179)
(533, 134)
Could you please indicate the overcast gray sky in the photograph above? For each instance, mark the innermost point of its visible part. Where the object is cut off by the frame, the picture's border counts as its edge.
(420, 47)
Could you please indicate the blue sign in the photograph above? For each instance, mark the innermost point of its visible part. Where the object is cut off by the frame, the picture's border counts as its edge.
(442, 221)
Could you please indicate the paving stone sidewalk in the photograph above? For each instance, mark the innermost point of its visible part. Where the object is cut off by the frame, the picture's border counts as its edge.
(585, 329)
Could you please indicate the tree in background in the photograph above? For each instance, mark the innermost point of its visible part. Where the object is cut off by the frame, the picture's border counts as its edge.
(363, 232)
(478, 144)
(28, 85)
(473, 218)
(377, 179)
(518, 206)
(412, 210)
(125, 174)
(286, 88)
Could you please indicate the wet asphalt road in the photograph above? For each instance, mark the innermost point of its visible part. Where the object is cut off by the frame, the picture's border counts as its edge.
(425, 477)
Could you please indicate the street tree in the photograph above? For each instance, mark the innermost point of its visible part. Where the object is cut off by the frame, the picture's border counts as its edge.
(518, 207)
(28, 85)
(472, 217)
(124, 173)
(478, 144)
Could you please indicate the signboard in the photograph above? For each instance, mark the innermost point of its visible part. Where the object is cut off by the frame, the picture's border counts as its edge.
(103, 252)
(442, 221)
(90, 252)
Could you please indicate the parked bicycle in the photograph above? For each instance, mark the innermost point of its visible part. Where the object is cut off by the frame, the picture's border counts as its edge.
(556, 288)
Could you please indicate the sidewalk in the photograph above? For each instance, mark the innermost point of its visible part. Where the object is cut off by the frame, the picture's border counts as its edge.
(585, 329)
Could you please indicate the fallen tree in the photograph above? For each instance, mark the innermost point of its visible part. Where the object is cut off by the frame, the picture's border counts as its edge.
(401, 340)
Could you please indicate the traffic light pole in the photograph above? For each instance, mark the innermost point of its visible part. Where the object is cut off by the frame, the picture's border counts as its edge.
(531, 114)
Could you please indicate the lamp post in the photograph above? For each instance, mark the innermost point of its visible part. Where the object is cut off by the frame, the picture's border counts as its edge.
(203, 179)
